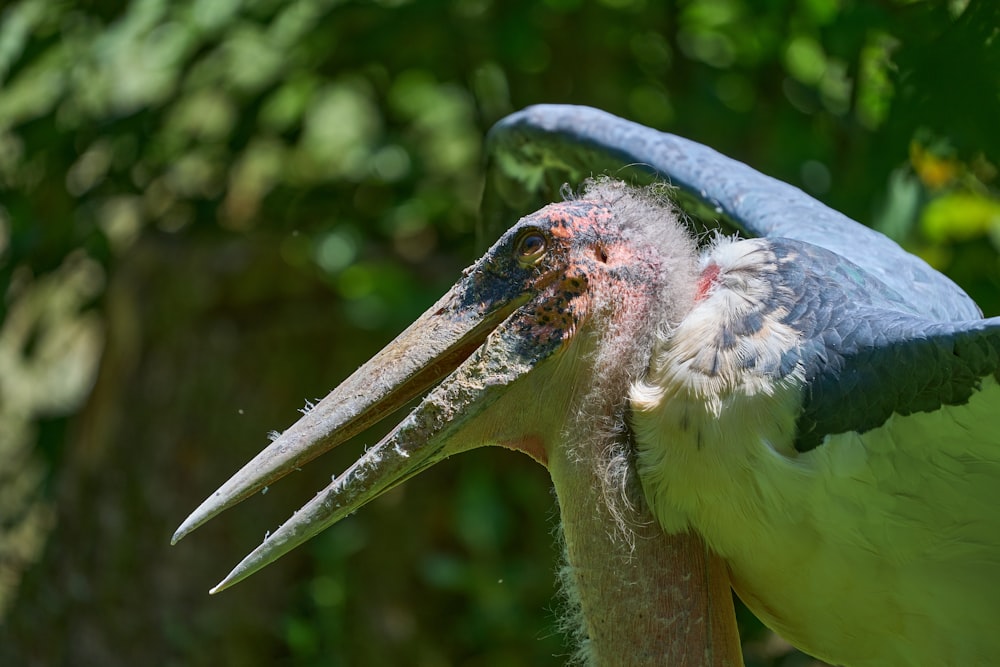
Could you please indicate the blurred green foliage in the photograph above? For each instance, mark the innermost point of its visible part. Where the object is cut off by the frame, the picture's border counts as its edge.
(212, 208)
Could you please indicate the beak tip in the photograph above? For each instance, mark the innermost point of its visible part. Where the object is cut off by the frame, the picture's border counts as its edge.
(189, 525)
(179, 534)
(212, 506)
(182, 531)
(244, 569)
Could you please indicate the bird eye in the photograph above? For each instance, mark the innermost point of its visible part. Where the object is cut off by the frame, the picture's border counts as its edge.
(530, 247)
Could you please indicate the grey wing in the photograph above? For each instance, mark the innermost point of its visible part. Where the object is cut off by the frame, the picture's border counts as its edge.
(868, 356)
(536, 149)
(912, 367)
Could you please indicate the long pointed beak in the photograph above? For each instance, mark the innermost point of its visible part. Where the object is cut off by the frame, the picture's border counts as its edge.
(451, 335)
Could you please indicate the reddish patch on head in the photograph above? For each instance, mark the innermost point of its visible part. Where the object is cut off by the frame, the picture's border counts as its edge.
(706, 281)
(570, 217)
(620, 253)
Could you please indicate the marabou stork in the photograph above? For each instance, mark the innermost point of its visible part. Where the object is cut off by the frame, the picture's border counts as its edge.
(816, 404)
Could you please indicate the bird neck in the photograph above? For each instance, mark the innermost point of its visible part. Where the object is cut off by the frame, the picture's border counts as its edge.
(641, 597)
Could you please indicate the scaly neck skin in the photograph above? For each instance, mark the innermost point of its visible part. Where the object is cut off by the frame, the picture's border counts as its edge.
(659, 600)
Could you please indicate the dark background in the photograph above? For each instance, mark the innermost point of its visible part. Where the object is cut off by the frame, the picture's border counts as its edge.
(213, 211)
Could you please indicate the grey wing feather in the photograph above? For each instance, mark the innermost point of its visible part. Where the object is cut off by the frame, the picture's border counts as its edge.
(867, 354)
(542, 144)
(912, 366)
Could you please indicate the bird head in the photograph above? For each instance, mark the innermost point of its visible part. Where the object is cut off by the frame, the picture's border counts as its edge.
(539, 337)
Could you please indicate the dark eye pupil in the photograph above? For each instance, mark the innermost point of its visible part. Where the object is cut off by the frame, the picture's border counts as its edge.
(532, 244)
